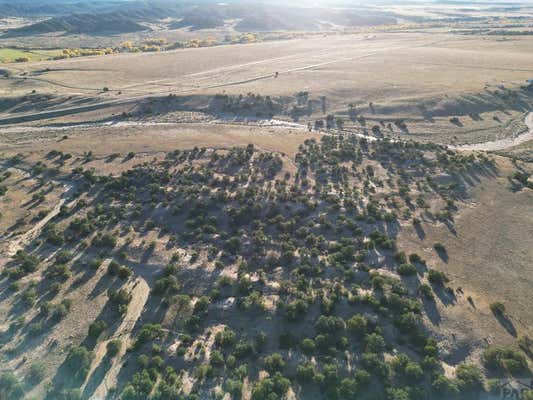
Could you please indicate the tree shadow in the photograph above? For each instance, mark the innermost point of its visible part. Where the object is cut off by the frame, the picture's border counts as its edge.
(471, 301)
(445, 294)
(97, 377)
(103, 284)
(443, 254)
(430, 307)
(475, 116)
(420, 231)
(506, 323)
(453, 231)
(64, 379)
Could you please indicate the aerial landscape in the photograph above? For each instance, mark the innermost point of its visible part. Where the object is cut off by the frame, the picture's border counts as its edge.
(265, 200)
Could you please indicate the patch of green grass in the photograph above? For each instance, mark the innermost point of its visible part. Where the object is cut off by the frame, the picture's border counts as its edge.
(8, 55)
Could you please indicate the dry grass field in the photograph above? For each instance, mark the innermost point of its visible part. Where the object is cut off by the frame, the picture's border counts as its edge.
(359, 65)
(425, 80)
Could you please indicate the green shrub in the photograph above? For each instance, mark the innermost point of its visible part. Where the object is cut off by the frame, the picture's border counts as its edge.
(29, 297)
(527, 395)
(425, 291)
(308, 346)
(36, 328)
(243, 349)
(273, 388)
(64, 256)
(415, 258)
(444, 386)
(96, 328)
(53, 235)
(104, 240)
(437, 277)
(14, 286)
(29, 263)
(296, 309)
(397, 394)
(305, 372)
(113, 347)
(37, 372)
(407, 269)
(260, 341)
(217, 359)
(78, 362)
(233, 387)
(95, 263)
(374, 343)
(400, 257)
(357, 325)
(140, 387)
(115, 269)
(330, 324)
(274, 363)
(10, 386)
(120, 299)
(148, 332)
(61, 310)
(225, 338)
(61, 271)
(505, 360)
(469, 377)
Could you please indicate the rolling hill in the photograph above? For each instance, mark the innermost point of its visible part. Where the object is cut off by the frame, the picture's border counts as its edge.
(81, 23)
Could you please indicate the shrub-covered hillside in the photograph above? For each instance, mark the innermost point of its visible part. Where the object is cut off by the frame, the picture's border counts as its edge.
(241, 273)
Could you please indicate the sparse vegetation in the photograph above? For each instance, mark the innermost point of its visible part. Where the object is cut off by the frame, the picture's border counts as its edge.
(326, 259)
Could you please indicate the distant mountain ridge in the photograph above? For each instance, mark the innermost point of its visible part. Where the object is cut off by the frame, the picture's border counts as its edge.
(81, 23)
(125, 17)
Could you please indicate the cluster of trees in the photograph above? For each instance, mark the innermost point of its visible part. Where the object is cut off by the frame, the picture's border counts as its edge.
(150, 45)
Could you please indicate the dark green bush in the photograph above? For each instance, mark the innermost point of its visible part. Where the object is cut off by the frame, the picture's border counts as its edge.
(407, 269)
(437, 277)
(96, 328)
(113, 347)
(10, 386)
(273, 388)
(505, 360)
(469, 377)
(37, 372)
(274, 363)
(78, 362)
